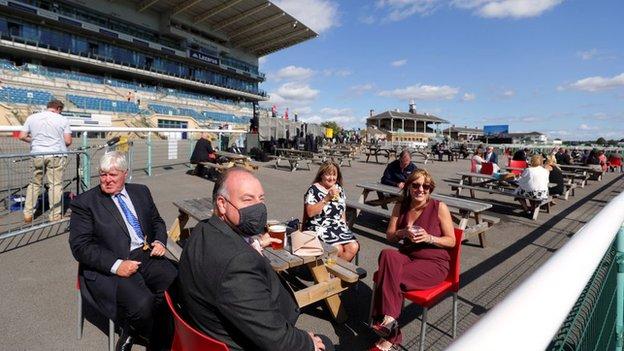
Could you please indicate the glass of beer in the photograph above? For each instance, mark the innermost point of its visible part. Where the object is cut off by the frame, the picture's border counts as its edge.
(278, 231)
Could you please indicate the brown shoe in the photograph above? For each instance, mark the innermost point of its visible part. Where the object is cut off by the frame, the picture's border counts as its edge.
(27, 219)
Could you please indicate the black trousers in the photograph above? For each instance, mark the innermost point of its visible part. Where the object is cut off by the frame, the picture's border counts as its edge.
(141, 302)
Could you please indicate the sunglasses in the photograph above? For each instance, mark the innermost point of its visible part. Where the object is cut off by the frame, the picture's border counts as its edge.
(416, 186)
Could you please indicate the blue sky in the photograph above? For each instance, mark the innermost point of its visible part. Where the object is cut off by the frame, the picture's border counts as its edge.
(555, 66)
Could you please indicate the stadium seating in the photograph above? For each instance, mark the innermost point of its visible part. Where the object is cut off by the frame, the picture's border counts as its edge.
(24, 96)
(6, 64)
(100, 104)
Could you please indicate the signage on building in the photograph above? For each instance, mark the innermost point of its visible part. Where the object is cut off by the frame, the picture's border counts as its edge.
(496, 130)
(203, 57)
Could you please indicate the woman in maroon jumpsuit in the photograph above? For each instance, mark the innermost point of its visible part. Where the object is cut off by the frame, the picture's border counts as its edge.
(426, 229)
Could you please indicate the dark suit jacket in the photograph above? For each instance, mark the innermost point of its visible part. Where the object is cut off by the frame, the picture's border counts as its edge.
(493, 158)
(230, 292)
(202, 149)
(393, 175)
(98, 236)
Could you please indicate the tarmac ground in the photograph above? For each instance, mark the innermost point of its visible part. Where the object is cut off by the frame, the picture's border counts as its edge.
(38, 276)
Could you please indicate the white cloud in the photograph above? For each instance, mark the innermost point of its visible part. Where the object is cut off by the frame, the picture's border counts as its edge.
(319, 15)
(422, 92)
(361, 88)
(401, 9)
(297, 92)
(343, 116)
(507, 8)
(398, 63)
(587, 127)
(367, 19)
(292, 73)
(469, 97)
(506, 94)
(596, 83)
(587, 55)
(337, 72)
(262, 60)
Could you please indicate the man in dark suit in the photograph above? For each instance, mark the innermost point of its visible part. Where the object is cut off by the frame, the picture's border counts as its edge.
(228, 289)
(397, 171)
(490, 155)
(202, 152)
(118, 237)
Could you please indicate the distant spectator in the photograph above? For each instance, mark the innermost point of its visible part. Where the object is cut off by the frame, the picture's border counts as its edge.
(521, 155)
(533, 183)
(555, 176)
(129, 96)
(490, 155)
(592, 160)
(602, 158)
(476, 161)
(398, 171)
(47, 132)
(202, 152)
(463, 150)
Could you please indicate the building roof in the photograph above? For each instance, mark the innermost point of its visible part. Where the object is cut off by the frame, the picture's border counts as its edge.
(256, 26)
(520, 135)
(407, 115)
(464, 130)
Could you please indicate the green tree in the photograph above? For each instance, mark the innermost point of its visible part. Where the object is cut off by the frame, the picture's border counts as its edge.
(601, 141)
(332, 125)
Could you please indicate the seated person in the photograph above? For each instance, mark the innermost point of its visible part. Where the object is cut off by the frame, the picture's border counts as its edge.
(593, 160)
(324, 211)
(397, 171)
(490, 155)
(602, 158)
(463, 150)
(521, 155)
(118, 238)
(477, 160)
(533, 183)
(555, 176)
(229, 290)
(422, 261)
(202, 152)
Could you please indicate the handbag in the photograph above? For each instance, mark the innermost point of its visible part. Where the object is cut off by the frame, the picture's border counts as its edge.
(306, 243)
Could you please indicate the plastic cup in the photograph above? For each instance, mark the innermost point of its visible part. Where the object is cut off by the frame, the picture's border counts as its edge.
(278, 231)
(271, 222)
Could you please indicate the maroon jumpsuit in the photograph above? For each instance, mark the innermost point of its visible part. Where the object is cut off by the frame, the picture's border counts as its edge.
(413, 266)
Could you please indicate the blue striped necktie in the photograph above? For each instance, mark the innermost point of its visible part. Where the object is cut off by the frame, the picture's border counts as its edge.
(130, 217)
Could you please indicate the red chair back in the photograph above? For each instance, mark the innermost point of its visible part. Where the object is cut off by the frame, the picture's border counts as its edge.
(186, 337)
(518, 164)
(487, 168)
(615, 161)
(455, 259)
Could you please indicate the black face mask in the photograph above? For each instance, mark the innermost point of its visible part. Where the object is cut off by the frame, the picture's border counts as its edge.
(251, 219)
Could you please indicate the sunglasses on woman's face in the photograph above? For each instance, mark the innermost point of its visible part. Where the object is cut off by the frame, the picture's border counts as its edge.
(425, 187)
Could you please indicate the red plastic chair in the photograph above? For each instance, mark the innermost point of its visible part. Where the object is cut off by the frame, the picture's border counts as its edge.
(615, 162)
(429, 297)
(186, 337)
(518, 164)
(487, 168)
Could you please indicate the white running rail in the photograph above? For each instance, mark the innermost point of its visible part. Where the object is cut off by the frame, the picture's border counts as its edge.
(529, 317)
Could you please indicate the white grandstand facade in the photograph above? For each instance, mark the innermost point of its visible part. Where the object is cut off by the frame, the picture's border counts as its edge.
(143, 63)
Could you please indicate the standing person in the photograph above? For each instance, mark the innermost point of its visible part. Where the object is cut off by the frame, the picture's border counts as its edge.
(229, 290)
(118, 237)
(47, 132)
(324, 211)
(490, 155)
(397, 171)
(422, 261)
(202, 152)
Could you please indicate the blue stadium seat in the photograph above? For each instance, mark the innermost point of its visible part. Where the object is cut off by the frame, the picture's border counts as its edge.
(101, 104)
(25, 96)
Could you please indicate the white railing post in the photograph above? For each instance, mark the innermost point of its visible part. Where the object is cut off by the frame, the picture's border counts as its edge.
(149, 154)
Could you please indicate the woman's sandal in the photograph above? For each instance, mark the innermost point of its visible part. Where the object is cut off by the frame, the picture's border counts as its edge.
(384, 330)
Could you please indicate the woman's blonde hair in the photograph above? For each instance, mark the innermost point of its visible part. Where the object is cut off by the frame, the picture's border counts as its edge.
(536, 160)
(406, 196)
(327, 167)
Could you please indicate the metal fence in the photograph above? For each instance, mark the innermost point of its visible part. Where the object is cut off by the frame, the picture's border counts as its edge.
(575, 301)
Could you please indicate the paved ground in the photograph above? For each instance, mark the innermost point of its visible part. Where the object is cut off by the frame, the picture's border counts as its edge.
(38, 304)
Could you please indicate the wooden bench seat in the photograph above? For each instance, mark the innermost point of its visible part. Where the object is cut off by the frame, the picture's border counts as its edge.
(293, 162)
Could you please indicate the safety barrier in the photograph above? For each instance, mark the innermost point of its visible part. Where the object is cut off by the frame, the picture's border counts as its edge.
(572, 302)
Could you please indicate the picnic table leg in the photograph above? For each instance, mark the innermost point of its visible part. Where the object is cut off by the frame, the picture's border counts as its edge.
(381, 196)
(320, 274)
(363, 196)
(478, 221)
(178, 225)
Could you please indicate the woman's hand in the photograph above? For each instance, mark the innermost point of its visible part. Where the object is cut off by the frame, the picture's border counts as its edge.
(333, 192)
(419, 236)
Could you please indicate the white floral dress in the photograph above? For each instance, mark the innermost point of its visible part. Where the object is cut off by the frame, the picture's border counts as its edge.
(328, 224)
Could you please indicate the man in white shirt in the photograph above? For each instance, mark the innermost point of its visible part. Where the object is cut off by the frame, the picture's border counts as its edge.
(48, 133)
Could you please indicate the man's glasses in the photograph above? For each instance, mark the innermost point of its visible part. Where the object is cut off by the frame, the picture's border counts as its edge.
(425, 187)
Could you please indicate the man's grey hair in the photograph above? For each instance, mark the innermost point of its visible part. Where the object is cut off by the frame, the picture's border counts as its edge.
(405, 152)
(113, 160)
(219, 188)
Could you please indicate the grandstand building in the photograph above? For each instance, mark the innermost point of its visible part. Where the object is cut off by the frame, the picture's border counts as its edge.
(408, 126)
(144, 63)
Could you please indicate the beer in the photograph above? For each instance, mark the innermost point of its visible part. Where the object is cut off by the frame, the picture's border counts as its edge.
(278, 231)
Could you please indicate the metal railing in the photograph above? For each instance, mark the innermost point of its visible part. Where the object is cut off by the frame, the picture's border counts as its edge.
(572, 302)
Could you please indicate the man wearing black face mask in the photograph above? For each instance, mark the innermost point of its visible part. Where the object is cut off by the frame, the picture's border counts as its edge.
(228, 289)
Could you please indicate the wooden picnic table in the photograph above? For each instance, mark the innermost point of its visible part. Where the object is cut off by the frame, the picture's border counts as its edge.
(462, 210)
(331, 274)
(238, 159)
(377, 151)
(595, 173)
(571, 176)
(295, 158)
